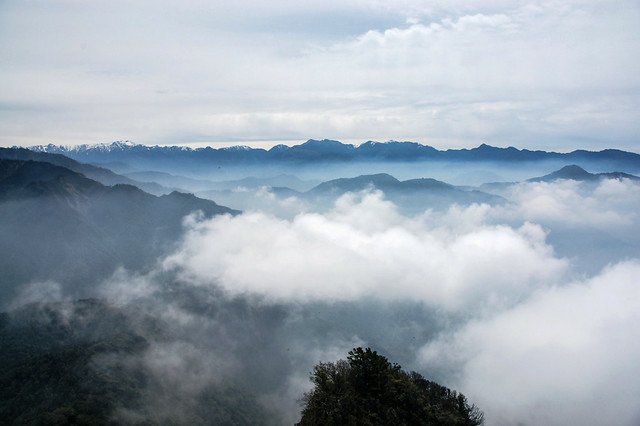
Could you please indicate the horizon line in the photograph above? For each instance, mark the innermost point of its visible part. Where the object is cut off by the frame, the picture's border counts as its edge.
(268, 144)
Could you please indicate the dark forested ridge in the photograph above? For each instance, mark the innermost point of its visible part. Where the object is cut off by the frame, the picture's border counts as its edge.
(99, 174)
(367, 389)
(60, 225)
(83, 363)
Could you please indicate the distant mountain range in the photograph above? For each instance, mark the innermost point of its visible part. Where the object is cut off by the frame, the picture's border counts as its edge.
(56, 224)
(327, 151)
(74, 223)
(412, 196)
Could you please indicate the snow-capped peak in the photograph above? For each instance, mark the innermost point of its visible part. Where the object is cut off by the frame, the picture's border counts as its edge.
(237, 148)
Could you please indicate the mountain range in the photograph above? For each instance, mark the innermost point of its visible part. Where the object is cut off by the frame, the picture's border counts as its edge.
(326, 151)
(411, 196)
(75, 223)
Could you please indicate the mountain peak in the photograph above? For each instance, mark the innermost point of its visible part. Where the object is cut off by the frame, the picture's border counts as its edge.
(572, 168)
(322, 141)
(237, 148)
(358, 183)
(325, 143)
(279, 148)
(572, 172)
(487, 148)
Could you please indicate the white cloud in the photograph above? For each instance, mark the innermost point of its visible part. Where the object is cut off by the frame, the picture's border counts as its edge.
(474, 296)
(610, 204)
(364, 247)
(566, 356)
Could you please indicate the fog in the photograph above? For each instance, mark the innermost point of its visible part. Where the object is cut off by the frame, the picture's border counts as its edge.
(454, 172)
(528, 307)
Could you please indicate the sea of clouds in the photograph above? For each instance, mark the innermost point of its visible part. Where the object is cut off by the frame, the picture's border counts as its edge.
(530, 308)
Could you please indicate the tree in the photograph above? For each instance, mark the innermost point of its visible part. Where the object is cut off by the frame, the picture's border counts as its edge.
(367, 389)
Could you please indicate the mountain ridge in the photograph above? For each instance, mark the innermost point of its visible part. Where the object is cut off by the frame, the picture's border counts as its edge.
(574, 172)
(332, 150)
(59, 225)
(99, 174)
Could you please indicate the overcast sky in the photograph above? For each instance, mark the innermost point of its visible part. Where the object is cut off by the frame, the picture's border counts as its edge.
(538, 74)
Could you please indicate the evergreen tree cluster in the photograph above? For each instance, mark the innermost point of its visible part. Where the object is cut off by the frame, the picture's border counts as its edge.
(367, 389)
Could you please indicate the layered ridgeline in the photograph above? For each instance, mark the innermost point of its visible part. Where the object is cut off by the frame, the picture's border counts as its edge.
(59, 225)
(125, 155)
(163, 349)
(411, 196)
(99, 174)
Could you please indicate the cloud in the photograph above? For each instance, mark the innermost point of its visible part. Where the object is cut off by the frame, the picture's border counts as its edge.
(568, 355)
(475, 296)
(37, 292)
(611, 203)
(447, 73)
(478, 298)
(364, 247)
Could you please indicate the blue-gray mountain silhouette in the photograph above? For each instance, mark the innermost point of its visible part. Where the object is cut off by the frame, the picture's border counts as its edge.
(99, 174)
(574, 172)
(59, 225)
(161, 157)
(412, 196)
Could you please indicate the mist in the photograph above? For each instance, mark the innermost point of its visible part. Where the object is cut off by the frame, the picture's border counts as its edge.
(498, 301)
(448, 285)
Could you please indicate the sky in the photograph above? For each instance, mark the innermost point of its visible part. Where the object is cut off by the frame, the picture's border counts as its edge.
(543, 74)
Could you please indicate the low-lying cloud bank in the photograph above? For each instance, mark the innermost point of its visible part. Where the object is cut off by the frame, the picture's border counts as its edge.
(609, 204)
(565, 356)
(477, 298)
(364, 247)
(530, 336)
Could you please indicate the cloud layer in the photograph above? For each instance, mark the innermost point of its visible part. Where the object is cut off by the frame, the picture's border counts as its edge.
(566, 356)
(363, 247)
(509, 304)
(502, 316)
(543, 74)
